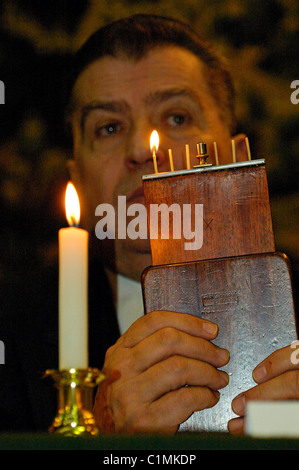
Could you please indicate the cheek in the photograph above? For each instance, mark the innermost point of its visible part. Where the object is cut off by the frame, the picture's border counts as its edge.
(100, 180)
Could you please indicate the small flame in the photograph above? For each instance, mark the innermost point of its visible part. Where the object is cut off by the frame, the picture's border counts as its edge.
(154, 141)
(72, 205)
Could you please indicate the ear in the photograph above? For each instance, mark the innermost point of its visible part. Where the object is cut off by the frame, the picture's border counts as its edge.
(241, 147)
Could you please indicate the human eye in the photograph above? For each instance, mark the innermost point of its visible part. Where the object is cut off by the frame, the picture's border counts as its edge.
(177, 119)
(107, 130)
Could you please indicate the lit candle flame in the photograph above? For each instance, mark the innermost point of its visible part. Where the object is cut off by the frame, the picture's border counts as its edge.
(154, 144)
(72, 205)
(154, 141)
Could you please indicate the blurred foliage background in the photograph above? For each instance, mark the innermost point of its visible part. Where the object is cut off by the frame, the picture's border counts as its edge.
(37, 38)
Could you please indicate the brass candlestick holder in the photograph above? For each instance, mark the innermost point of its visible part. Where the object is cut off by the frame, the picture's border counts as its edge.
(75, 400)
(202, 155)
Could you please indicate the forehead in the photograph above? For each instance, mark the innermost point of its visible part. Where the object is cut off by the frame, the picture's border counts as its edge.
(161, 69)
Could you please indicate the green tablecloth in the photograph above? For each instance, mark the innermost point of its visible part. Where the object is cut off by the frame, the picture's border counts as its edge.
(179, 442)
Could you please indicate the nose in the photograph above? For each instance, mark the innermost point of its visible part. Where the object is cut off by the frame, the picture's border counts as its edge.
(138, 153)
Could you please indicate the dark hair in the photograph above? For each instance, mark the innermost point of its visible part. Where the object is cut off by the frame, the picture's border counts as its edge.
(136, 35)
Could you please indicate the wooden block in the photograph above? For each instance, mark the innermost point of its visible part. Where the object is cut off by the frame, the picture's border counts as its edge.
(236, 211)
(249, 297)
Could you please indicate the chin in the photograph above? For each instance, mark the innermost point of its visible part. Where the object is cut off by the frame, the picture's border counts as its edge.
(139, 246)
(133, 257)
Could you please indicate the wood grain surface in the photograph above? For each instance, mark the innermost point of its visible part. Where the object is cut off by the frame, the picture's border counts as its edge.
(250, 298)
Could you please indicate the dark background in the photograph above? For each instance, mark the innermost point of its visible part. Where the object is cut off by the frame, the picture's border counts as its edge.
(259, 39)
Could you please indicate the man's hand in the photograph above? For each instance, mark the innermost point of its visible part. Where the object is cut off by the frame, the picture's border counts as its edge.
(277, 378)
(148, 369)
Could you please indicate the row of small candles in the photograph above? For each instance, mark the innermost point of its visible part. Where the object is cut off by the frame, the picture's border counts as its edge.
(154, 144)
(73, 273)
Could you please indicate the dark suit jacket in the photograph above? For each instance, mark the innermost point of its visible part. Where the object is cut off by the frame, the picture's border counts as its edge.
(29, 330)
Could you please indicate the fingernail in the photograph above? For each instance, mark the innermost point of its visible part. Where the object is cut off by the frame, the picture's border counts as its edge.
(259, 373)
(224, 354)
(225, 377)
(210, 328)
(238, 404)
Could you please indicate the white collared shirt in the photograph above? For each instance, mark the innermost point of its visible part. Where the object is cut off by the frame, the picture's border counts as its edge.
(129, 303)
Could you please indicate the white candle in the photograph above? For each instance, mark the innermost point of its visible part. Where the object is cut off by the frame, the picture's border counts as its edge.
(73, 288)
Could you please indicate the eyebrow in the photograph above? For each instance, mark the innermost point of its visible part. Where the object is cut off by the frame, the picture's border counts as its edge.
(152, 99)
(158, 97)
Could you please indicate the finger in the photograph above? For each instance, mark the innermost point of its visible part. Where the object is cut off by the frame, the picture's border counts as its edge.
(169, 341)
(166, 414)
(176, 372)
(277, 363)
(154, 321)
(236, 426)
(130, 398)
(284, 387)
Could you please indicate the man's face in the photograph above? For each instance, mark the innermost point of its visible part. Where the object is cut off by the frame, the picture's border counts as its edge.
(118, 103)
